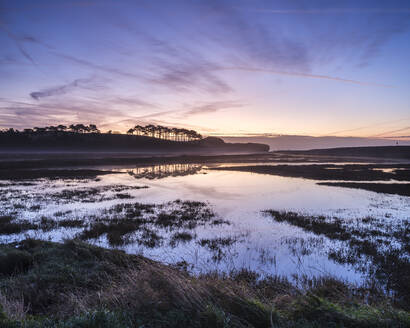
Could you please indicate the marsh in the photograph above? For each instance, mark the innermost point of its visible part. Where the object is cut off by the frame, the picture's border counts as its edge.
(210, 216)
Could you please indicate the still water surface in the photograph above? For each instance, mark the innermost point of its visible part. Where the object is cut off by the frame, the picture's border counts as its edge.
(261, 244)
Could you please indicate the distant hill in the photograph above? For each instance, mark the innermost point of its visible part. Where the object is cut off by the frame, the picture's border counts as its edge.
(396, 152)
(70, 141)
(294, 142)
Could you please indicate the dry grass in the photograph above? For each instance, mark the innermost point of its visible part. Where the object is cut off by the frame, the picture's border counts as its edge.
(14, 309)
(74, 284)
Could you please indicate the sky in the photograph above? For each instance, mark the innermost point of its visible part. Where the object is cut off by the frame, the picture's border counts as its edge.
(230, 68)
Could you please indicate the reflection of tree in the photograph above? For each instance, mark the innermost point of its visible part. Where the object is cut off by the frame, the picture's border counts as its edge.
(165, 170)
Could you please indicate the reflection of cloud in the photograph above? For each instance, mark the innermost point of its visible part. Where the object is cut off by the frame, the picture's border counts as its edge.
(211, 192)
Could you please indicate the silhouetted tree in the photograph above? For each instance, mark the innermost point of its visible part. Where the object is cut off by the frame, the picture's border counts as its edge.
(92, 128)
(163, 132)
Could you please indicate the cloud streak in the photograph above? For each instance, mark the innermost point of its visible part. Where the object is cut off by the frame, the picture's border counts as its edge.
(60, 90)
(97, 67)
(303, 75)
(332, 11)
(364, 127)
(211, 108)
(390, 132)
(18, 42)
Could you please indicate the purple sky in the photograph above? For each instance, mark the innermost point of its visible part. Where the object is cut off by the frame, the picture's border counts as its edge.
(222, 67)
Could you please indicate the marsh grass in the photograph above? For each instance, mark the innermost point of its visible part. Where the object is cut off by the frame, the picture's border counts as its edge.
(10, 225)
(138, 223)
(77, 285)
(21, 174)
(376, 247)
(93, 194)
(65, 196)
(126, 223)
(217, 246)
(184, 236)
(71, 223)
(61, 213)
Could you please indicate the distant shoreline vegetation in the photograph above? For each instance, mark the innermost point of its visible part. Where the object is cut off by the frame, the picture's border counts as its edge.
(139, 138)
(153, 131)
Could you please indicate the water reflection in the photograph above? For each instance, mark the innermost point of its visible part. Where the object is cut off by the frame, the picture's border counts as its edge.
(238, 237)
(164, 171)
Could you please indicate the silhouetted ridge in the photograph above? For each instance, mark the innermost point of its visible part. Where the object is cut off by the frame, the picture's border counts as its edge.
(402, 152)
(89, 138)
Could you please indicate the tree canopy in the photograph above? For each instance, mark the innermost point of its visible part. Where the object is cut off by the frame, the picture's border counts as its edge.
(153, 131)
(163, 132)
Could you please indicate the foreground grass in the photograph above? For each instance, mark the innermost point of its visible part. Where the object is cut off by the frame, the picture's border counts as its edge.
(45, 284)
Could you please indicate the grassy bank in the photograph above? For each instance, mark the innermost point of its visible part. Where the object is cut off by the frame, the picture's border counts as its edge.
(45, 284)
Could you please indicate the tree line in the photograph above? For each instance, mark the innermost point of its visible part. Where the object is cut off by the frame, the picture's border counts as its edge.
(163, 132)
(154, 131)
(75, 128)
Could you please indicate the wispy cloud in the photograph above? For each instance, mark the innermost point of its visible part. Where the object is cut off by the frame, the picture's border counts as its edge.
(20, 40)
(304, 75)
(390, 132)
(62, 89)
(366, 30)
(255, 42)
(326, 11)
(21, 114)
(97, 67)
(157, 114)
(211, 108)
(364, 127)
(189, 76)
(69, 4)
(133, 101)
